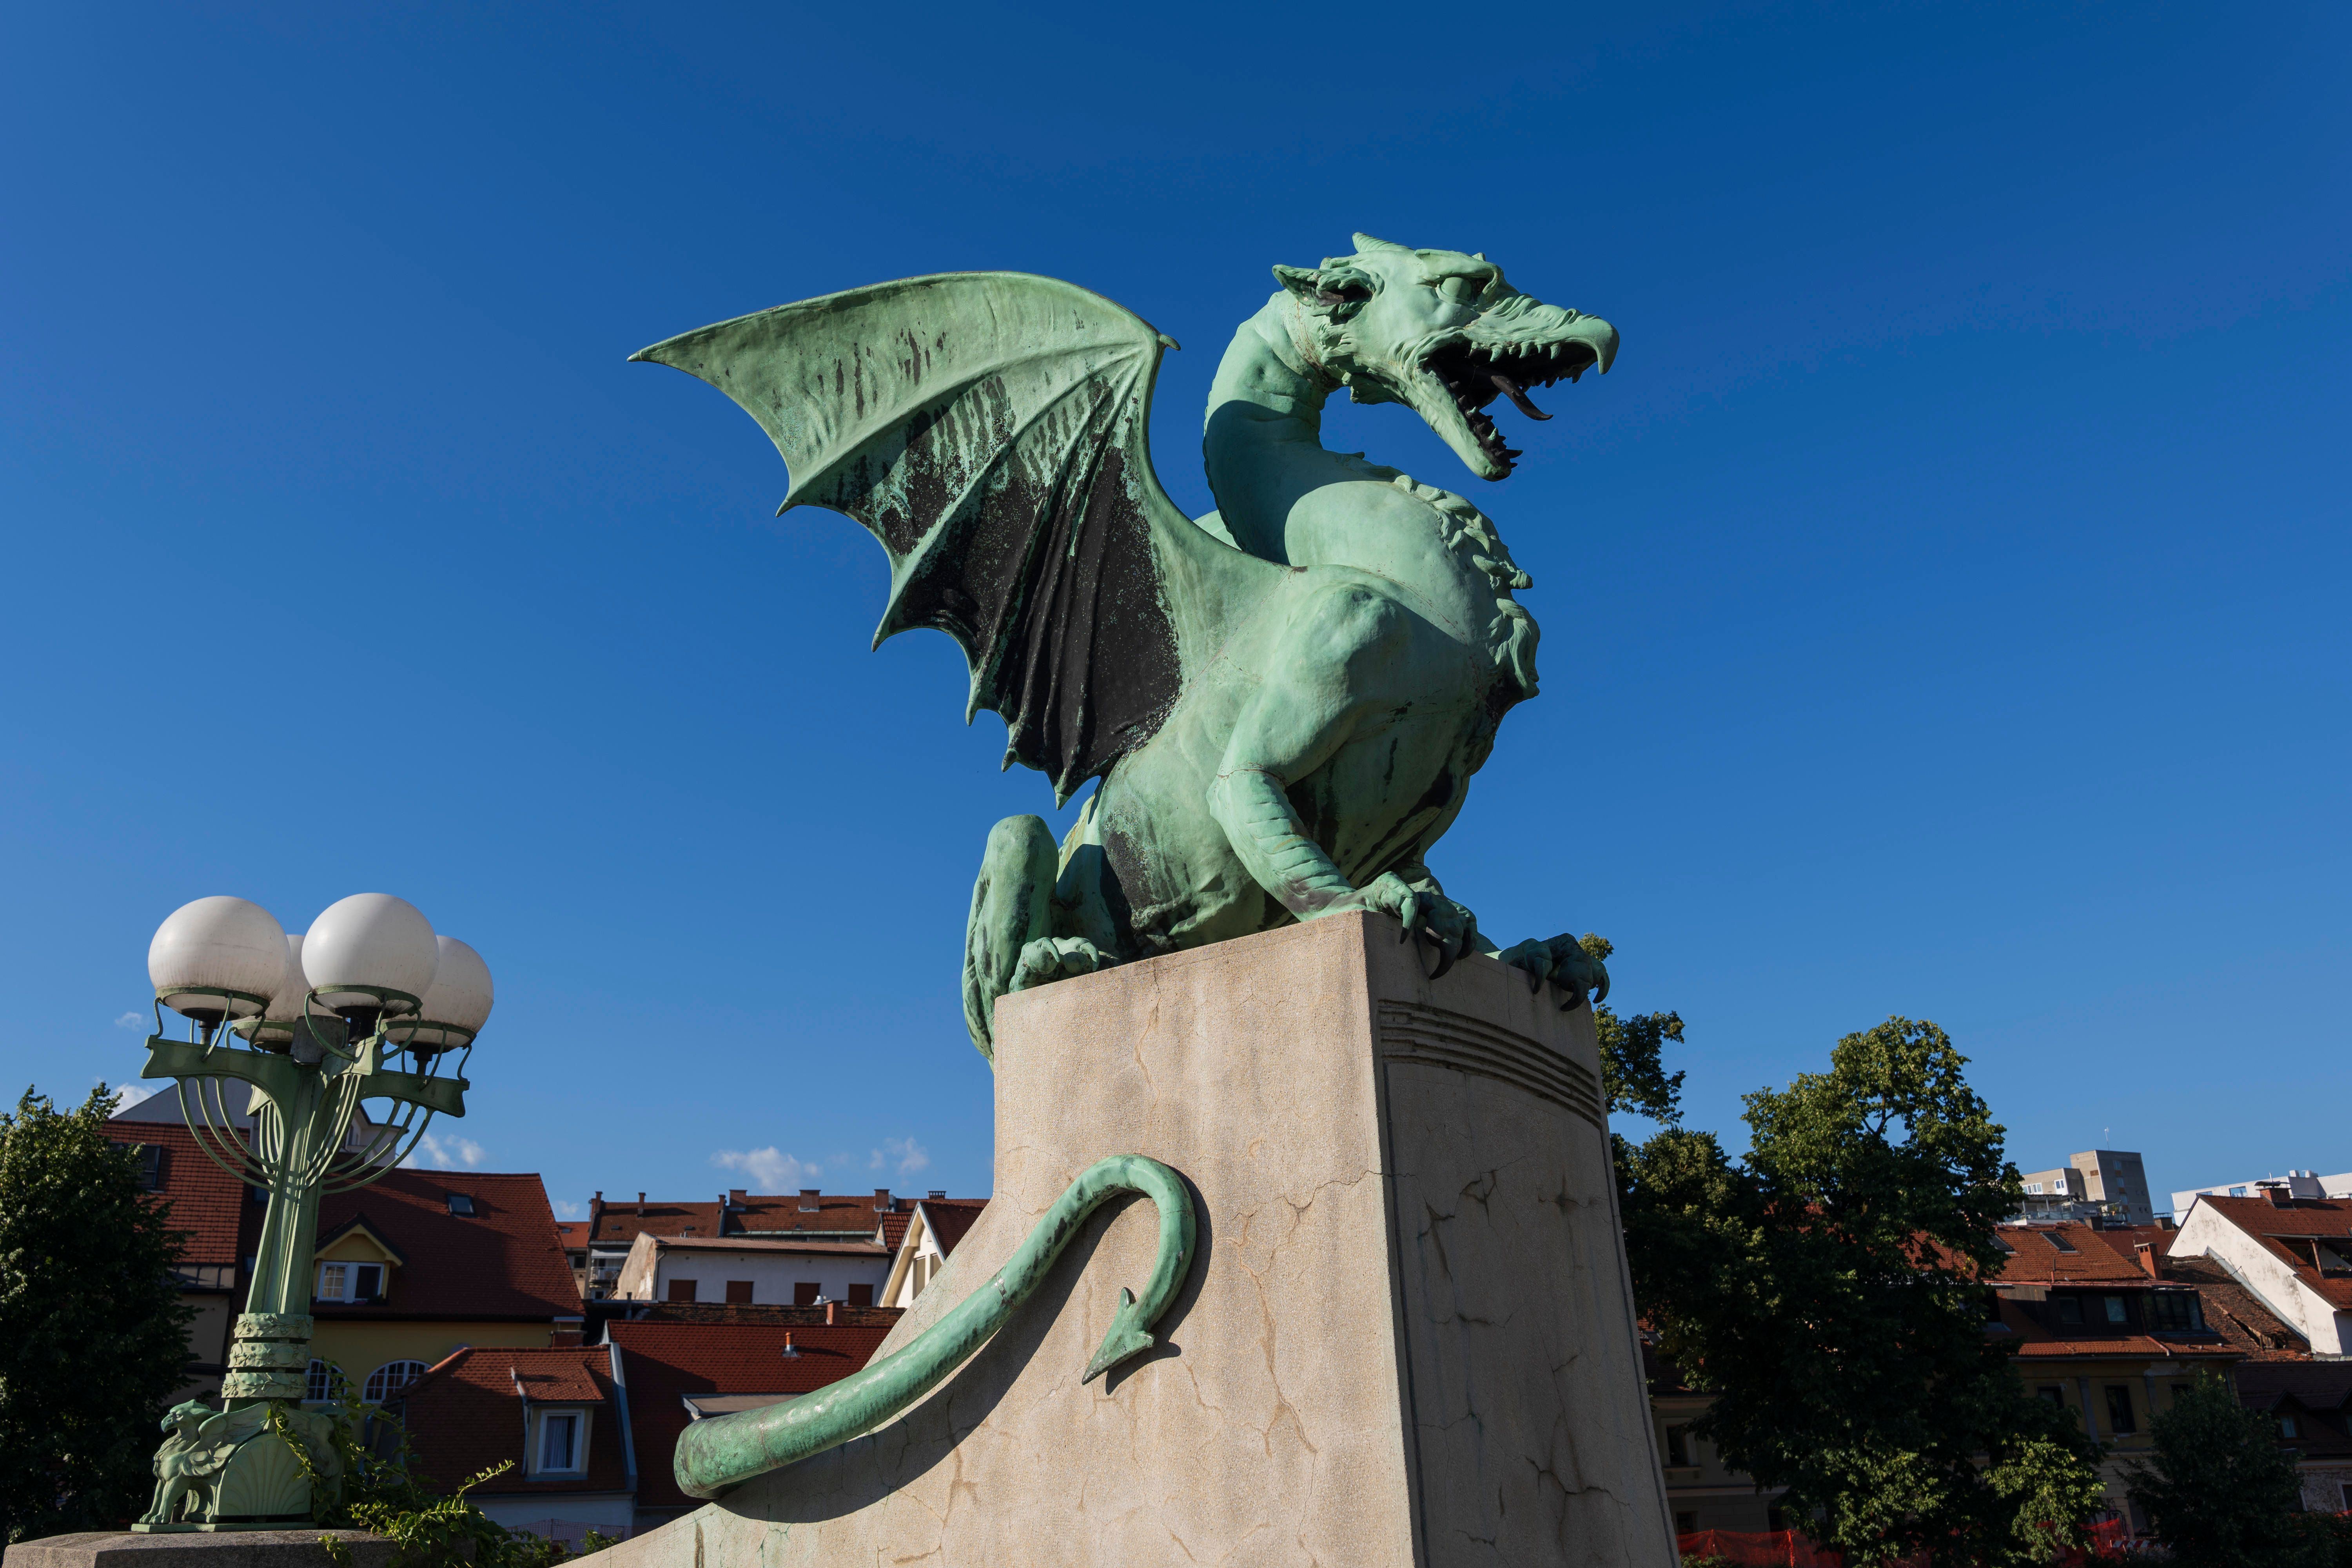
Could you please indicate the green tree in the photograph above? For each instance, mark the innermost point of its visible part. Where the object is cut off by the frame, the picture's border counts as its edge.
(1830, 1289)
(2218, 1490)
(1633, 1054)
(92, 1318)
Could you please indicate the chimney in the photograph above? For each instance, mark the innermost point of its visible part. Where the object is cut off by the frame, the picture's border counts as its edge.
(936, 1192)
(640, 1197)
(788, 1343)
(566, 1334)
(881, 1200)
(808, 1201)
(2278, 1193)
(2146, 1256)
(738, 1195)
(832, 1312)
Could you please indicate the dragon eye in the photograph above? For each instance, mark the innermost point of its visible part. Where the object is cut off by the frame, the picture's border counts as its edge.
(1460, 291)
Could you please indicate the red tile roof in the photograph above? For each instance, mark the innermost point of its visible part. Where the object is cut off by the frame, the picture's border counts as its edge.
(625, 1222)
(784, 1243)
(466, 1414)
(2037, 1337)
(502, 1262)
(573, 1231)
(665, 1362)
(760, 1216)
(950, 1218)
(2068, 1251)
(207, 1204)
(753, 1214)
(2235, 1313)
(2327, 1221)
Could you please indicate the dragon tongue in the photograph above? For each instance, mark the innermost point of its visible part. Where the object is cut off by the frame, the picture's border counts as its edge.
(1520, 399)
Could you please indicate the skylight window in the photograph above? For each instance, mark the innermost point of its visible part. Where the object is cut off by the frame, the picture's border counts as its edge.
(2058, 1240)
(462, 1203)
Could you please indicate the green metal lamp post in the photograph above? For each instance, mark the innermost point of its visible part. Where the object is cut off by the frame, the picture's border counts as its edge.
(323, 1018)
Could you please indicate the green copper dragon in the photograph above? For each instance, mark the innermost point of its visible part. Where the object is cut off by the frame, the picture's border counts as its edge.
(1284, 700)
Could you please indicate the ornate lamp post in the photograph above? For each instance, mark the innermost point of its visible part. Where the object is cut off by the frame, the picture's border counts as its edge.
(323, 1018)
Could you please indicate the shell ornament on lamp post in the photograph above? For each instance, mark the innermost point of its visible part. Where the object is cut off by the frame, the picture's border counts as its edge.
(312, 1024)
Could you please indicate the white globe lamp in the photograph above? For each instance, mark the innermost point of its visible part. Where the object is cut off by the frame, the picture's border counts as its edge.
(368, 953)
(456, 1008)
(218, 958)
(274, 1030)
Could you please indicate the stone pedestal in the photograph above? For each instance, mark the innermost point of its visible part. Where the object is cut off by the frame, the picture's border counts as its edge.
(219, 1549)
(1408, 1341)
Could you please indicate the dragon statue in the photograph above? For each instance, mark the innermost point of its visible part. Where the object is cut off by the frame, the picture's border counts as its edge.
(1284, 700)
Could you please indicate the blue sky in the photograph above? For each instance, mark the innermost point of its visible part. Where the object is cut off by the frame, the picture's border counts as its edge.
(1943, 601)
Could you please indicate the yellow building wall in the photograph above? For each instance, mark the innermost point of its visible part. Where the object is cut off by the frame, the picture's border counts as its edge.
(359, 1348)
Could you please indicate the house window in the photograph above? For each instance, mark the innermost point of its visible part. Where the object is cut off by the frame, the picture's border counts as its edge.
(560, 1443)
(2114, 1308)
(861, 1294)
(324, 1383)
(2176, 1311)
(2237, 1192)
(2348, 1496)
(2119, 1410)
(2060, 1242)
(2033, 1187)
(2053, 1393)
(2070, 1308)
(390, 1379)
(462, 1204)
(2286, 1425)
(681, 1289)
(805, 1292)
(147, 1159)
(351, 1281)
(1678, 1445)
(738, 1290)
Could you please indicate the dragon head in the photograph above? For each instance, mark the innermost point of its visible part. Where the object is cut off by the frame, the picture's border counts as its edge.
(1442, 333)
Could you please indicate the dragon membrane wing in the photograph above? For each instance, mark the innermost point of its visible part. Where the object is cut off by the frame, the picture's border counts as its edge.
(990, 429)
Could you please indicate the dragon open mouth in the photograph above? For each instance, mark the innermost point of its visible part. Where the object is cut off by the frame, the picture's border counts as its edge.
(1475, 374)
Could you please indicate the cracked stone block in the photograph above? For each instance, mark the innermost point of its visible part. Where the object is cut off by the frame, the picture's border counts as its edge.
(1408, 1340)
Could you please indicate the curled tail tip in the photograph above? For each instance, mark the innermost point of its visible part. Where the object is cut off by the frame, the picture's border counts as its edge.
(1128, 1338)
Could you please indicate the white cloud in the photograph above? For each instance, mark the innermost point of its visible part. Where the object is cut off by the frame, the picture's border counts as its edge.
(909, 1155)
(127, 1095)
(446, 1154)
(566, 1211)
(770, 1170)
(132, 1021)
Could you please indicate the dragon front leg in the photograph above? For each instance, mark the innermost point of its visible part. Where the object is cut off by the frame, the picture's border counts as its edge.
(727, 1450)
(1333, 667)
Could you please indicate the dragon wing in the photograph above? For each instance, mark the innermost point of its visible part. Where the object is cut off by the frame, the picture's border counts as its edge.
(992, 431)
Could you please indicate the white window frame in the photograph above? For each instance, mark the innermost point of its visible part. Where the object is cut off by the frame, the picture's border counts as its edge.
(324, 1372)
(346, 1271)
(577, 1416)
(412, 1370)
